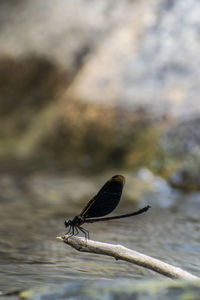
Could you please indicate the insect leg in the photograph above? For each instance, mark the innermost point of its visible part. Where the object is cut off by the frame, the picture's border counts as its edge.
(72, 232)
(76, 230)
(85, 232)
(70, 227)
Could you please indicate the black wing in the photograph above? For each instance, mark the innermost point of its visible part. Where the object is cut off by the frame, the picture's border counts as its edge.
(106, 200)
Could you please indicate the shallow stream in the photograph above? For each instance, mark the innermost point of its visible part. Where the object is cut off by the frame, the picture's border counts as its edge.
(32, 212)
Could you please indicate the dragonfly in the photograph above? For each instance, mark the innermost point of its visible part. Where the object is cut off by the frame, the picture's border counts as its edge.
(105, 201)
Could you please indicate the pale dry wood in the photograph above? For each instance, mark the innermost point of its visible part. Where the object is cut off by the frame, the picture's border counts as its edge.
(122, 253)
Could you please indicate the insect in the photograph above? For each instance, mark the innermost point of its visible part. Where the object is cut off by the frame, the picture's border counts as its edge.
(105, 201)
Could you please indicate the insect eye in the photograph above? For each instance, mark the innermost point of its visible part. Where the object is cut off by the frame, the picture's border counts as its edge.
(67, 223)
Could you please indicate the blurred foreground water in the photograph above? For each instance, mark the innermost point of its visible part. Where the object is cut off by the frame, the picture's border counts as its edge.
(33, 210)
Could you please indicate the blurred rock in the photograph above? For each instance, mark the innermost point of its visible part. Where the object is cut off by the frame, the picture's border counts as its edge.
(63, 30)
(133, 52)
(182, 143)
(40, 125)
(115, 289)
(132, 73)
(151, 61)
(29, 83)
(149, 188)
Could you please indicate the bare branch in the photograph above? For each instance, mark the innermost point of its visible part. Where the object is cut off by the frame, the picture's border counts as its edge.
(122, 253)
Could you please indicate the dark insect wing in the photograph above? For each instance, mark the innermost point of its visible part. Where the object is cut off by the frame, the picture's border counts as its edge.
(106, 199)
(102, 204)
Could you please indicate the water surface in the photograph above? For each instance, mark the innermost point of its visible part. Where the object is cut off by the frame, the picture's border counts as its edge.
(32, 215)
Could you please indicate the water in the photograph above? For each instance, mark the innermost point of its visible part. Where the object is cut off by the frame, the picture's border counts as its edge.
(32, 214)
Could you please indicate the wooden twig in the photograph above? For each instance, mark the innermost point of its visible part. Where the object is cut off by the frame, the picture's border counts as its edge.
(122, 253)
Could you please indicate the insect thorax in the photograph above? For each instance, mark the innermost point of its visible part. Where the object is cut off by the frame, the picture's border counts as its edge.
(77, 221)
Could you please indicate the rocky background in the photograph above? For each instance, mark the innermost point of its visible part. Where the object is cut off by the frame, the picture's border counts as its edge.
(89, 89)
(93, 85)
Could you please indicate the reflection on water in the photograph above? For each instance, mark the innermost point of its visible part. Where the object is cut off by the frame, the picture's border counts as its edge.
(30, 221)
